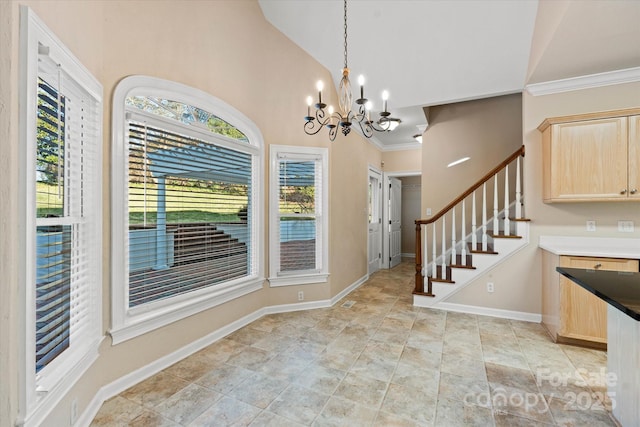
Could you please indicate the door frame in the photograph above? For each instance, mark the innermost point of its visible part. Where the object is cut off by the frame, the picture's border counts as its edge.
(373, 170)
(385, 211)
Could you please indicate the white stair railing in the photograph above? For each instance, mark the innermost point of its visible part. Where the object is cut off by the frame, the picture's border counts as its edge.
(436, 265)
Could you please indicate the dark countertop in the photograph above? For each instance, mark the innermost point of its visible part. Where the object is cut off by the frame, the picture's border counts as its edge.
(621, 289)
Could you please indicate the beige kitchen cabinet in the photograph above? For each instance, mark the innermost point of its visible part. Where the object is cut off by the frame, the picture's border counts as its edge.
(574, 315)
(592, 157)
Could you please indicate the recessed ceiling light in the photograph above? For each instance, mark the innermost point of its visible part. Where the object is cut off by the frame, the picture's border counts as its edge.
(457, 162)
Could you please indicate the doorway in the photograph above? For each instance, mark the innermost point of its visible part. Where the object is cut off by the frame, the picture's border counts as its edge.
(401, 200)
(374, 252)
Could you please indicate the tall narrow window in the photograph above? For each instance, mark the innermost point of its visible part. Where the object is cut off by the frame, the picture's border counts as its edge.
(298, 215)
(186, 187)
(62, 187)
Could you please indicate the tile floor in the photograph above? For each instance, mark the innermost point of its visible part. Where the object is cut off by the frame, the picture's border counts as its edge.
(379, 362)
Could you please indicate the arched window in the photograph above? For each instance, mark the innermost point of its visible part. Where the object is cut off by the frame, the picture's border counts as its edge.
(186, 190)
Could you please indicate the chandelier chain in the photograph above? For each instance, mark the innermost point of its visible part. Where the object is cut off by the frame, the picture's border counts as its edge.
(345, 34)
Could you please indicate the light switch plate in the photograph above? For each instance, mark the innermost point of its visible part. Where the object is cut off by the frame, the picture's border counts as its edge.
(591, 225)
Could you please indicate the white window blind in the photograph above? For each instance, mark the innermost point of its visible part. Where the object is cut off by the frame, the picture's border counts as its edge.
(299, 202)
(189, 212)
(299, 187)
(67, 232)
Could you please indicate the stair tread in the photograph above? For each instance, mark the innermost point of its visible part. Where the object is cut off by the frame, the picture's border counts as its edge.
(435, 279)
(480, 251)
(468, 267)
(505, 236)
(520, 219)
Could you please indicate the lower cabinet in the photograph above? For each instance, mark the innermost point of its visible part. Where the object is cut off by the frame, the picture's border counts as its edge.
(582, 315)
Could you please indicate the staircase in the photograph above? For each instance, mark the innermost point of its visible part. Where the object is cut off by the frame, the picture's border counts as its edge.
(445, 264)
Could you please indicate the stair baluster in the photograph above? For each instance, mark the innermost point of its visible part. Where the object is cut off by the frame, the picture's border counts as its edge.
(507, 221)
(453, 236)
(463, 251)
(474, 230)
(518, 213)
(496, 219)
(484, 217)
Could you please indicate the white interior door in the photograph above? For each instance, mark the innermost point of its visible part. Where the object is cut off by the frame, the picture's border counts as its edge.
(395, 222)
(375, 221)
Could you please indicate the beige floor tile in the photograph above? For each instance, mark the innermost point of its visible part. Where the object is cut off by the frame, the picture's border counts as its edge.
(187, 404)
(155, 389)
(226, 412)
(339, 412)
(424, 380)
(269, 419)
(384, 419)
(580, 410)
(251, 358)
(463, 366)
(455, 413)
(417, 406)
(259, 390)
(421, 358)
(224, 378)
(117, 411)
(509, 377)
(299, 404)
(320, 378)
(149, 418)
(464, 389)
(364, 390)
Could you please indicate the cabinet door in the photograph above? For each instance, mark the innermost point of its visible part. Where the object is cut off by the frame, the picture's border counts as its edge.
(583, 315)
(634, 157)
(588, 160)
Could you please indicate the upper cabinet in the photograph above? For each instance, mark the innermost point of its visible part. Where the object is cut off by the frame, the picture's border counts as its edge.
(591, 157)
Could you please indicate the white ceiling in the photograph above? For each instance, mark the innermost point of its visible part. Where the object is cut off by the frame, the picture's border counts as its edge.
(433, 52)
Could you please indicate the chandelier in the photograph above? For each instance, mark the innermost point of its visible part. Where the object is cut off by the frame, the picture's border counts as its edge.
(345, 117)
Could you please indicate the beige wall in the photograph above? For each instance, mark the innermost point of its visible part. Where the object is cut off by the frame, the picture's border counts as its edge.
(518, 281)
(225, 48)
(487, 130)
(402, 161)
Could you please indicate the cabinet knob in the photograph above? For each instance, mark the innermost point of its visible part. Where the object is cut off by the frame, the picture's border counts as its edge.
(634, 191)
(598, 265)
(623, 191)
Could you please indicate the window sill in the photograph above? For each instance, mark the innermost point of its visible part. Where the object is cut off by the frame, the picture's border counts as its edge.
(146, 322)
(301, 279)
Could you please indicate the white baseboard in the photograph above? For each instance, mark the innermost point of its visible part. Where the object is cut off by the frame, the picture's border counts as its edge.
(486, 311)
(121, 384)
(408, 255)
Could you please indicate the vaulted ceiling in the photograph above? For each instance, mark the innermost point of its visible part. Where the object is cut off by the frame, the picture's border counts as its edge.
(433, 52)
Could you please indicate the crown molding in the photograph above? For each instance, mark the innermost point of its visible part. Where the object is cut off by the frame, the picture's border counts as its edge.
(402, 147)
(628, 75)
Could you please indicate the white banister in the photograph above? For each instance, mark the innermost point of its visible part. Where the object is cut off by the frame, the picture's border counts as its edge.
(507, 221)
(484, 216)
(474, 237)
(463, 251)
(453, 236)
(434, 252)
(444, 246)
(496, 223)
(518, 191)
(425, 250)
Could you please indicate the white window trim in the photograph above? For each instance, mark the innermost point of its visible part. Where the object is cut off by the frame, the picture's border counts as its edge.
(289, 279)
(129, 323)
(35, 404)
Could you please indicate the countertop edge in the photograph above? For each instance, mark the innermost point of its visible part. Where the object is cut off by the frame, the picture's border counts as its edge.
(610, 247)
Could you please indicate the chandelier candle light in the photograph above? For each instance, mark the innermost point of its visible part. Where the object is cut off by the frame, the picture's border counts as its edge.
(345, 117)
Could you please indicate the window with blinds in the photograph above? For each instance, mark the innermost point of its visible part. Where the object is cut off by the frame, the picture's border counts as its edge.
(189, 203)
(186, 179)
(61, 185)
(66, 214)
(298, 197)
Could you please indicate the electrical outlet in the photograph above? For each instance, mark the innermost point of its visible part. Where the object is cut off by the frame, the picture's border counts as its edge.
(489, 287)
(591, 225)
(625, 226)
(300, 296)
(73, 417)
(428, 211)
